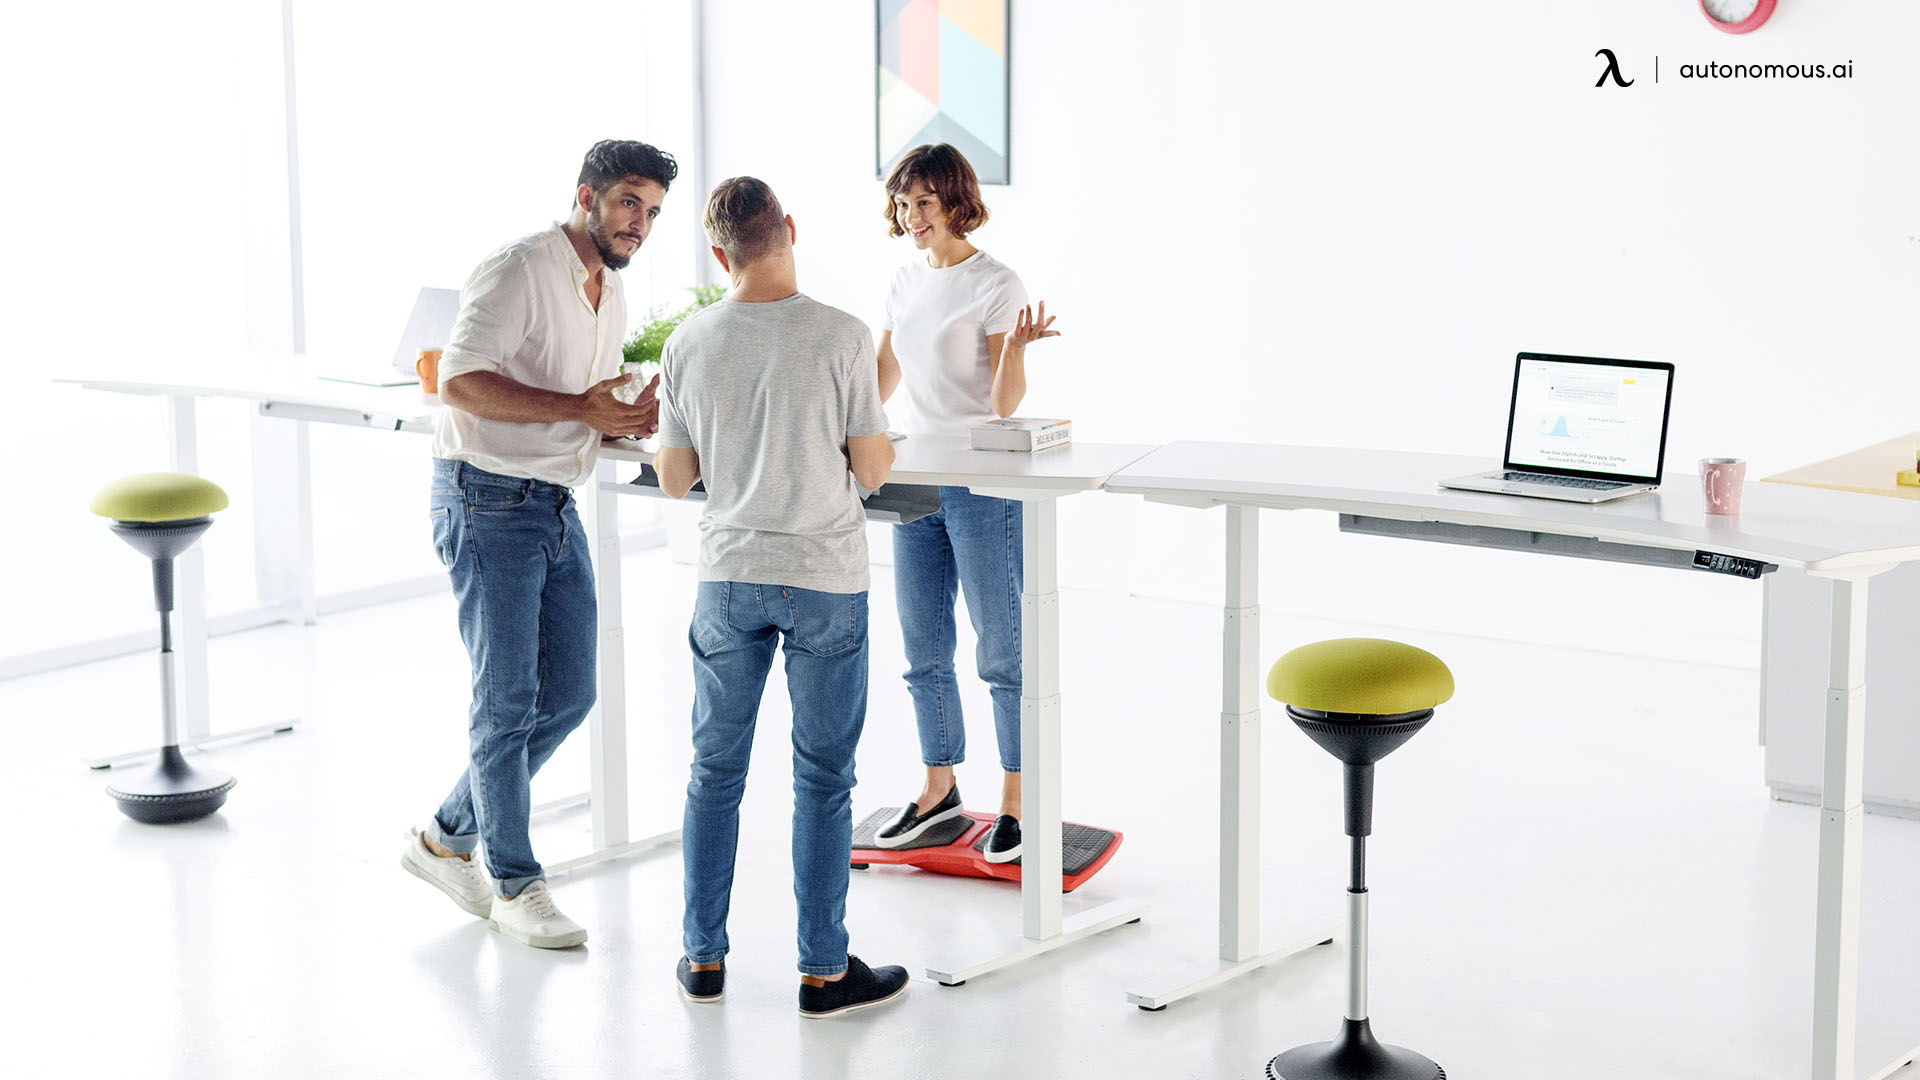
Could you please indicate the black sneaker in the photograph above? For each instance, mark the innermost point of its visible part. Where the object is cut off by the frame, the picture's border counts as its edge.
(909, 825)
(1003, 840)
(701, 985)
(862, 987)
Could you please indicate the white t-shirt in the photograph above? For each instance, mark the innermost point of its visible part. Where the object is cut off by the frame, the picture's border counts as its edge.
(524, 313)
(940, 321)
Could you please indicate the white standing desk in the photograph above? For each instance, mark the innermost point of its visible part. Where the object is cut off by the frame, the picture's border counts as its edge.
(1038, 480)
(290, 388)
(1843, 538)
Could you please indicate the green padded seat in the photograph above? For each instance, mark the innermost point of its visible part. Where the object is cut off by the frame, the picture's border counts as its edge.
(159, 496)
(1360, 677)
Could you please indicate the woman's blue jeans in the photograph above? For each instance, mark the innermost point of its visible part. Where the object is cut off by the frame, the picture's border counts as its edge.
(972, 544)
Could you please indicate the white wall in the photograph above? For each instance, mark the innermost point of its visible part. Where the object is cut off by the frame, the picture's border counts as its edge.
(1335, 223)
(1326, 223)
(146, 192)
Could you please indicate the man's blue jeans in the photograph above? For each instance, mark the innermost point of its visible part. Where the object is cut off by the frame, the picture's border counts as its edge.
(973, 542)
(735, 628)
(518, 558)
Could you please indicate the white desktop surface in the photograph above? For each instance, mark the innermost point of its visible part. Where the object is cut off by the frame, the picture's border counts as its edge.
(293, 379)
(949, 460)
(1799, 527)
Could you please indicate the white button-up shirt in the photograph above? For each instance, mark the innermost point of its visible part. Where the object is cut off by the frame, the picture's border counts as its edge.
(524, 314)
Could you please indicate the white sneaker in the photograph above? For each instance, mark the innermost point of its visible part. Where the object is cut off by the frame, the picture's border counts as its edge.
(461, 879)
(531, 917)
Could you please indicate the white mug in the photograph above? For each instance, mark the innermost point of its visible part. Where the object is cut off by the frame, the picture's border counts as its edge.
(1720, 481)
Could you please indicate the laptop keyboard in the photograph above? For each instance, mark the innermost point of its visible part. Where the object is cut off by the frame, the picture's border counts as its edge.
(1564, 481)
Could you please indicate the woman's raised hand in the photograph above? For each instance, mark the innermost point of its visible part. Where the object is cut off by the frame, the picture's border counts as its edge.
(1031, 327)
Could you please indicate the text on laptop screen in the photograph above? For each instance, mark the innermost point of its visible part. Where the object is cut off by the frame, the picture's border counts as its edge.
(1592, 417)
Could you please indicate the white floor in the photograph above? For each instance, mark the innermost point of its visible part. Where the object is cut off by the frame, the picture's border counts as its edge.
(1567, 885)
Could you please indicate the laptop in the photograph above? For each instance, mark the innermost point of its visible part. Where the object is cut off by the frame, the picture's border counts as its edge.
(1581, 429)
(429, 326)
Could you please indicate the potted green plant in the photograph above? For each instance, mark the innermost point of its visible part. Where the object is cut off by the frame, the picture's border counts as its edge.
(641, 353)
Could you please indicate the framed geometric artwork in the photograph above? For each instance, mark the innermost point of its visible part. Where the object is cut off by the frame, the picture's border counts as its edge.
(942, 77)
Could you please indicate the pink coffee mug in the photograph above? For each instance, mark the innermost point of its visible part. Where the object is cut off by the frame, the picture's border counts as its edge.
(1720, 481)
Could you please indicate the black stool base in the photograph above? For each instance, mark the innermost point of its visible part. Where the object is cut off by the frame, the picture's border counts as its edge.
(171, 791)
(1355, 1055)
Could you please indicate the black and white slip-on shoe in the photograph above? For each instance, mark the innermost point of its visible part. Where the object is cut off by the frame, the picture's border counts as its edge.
(700, 985)
(1003, 840)
(910, 824)
(862, 986)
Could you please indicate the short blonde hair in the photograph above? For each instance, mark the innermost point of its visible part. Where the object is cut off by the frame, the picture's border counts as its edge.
(744, 219)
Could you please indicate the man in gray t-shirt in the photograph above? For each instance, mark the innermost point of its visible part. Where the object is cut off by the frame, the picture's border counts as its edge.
(768, 394)
(774, 400)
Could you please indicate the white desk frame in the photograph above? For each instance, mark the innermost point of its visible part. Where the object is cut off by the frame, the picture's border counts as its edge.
(1844, 538)
(281, 388)
(285, 388)
(1038, 481)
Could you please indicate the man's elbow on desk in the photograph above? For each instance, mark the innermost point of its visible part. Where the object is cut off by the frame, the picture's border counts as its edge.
(678, 468)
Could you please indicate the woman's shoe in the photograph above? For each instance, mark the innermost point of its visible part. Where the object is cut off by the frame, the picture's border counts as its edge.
(909, 826)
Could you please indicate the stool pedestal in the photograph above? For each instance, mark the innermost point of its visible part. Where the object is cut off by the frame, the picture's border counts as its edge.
(172, 791)
(1356, 1053)
(1359, 741)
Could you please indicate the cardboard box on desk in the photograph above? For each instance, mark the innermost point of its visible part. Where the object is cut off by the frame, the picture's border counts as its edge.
(1022, 434)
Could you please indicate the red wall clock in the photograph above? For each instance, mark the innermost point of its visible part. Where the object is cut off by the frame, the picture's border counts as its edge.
(1737, 16)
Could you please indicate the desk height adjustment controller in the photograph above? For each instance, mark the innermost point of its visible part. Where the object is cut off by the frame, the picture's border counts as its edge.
(1716, 563)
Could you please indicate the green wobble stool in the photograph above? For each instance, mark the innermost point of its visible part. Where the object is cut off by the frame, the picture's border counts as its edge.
(1359, 698)
(161, 515)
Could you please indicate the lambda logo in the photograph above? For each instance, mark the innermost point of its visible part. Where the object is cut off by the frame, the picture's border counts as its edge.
(1613, 70)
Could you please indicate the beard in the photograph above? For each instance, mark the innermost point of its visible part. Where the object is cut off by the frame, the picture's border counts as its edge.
(602, 243)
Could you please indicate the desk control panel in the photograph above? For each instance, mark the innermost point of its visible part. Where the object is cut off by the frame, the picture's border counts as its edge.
(1579, 547)
(1715, 563)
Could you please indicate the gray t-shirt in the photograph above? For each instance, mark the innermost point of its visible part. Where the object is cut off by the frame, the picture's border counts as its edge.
(768, 394)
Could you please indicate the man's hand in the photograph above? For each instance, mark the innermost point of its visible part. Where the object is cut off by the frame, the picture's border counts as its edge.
(607, 414)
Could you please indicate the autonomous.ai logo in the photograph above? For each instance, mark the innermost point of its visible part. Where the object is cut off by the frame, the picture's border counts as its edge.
(1612, 71)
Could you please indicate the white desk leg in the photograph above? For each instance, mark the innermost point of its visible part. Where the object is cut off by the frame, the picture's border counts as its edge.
(1043, 924)
(1836, 936)
(1239, 786)
(1240, 740)
(190, 586)
(1836, 946)
(1040, 856)
(607, 725)
(283, 516)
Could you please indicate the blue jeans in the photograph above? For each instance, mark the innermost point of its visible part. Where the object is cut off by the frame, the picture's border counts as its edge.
(972, 543)
(735, 627)
(518, 559)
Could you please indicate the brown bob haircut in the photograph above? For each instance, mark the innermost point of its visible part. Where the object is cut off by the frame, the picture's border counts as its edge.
(744, 219)
(946, 171)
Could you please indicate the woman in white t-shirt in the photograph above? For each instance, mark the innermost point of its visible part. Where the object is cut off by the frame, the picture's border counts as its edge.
(954, 339)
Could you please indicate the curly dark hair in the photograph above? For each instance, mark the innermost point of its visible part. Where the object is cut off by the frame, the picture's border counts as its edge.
(947, 172)
(613, 160)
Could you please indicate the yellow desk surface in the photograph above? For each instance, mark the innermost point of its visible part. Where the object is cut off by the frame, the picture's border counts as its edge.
(1869, 471)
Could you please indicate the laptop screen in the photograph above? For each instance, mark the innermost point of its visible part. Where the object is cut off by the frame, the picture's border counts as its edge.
(1580, 416)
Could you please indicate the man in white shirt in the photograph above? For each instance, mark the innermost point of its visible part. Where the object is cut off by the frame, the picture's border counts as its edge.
(528, 380)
